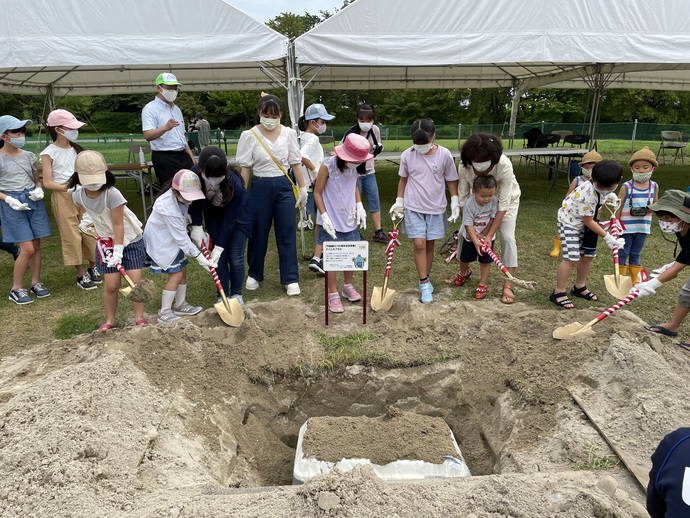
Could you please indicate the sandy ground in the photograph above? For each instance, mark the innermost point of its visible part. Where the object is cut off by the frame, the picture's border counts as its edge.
(200, 419)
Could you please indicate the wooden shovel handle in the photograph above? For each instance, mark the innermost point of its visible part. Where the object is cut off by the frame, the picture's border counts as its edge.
(119, 267)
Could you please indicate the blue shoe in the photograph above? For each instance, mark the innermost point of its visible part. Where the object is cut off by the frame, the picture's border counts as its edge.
(40, 291)
(20, 297)
(426, 290)
(239, 299)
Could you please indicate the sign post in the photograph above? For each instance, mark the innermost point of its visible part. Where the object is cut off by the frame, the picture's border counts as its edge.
(346, 256)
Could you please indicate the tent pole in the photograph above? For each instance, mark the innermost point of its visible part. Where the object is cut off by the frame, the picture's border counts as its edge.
(295, 91)
(514, 105)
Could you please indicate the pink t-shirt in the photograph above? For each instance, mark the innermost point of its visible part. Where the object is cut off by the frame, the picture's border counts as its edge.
(426, 179)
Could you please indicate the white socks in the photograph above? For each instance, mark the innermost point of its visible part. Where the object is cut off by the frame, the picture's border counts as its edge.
(180, 295)
(167, 300)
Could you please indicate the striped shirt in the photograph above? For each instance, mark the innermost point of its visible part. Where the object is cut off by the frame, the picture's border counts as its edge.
(638, 198)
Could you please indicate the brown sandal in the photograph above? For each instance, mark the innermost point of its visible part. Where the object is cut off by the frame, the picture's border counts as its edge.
(508, 295)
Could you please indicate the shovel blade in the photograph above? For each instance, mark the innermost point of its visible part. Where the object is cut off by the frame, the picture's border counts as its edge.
(381, 301)
(232, 314)
(618, 290)
(126, 291)
(573, 330)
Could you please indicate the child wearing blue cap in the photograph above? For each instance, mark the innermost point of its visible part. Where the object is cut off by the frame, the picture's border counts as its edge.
(23, 214)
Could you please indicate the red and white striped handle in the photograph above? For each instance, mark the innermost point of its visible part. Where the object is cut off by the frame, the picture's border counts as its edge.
(617, 306)
(493, 256)
(106, 253)
(392, 243)
(204, 250)
(614, 232)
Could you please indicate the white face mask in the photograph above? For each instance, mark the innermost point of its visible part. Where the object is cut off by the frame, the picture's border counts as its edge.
(269, 124)
(169, 95)
(602, 191)
(320, 128)
(350, 165)
(93, 186)
(71, 135)
(214, 182)
(18, 142)
(365, 126)
(480, 167)
(423, 148)
(670, 227)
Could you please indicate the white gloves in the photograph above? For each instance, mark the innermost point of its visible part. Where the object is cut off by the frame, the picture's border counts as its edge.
(215, 254)
(647, 288)
(205, 263)
(454, 209)
(612, 242)
(85, 222)
(361, 216)
(611, 198)
(188, 218)
(116, 257)
(36, 194)
(197, 235)
(327, 225)
(659, 271)
(16, 204)
(397, 207)
(302, 197)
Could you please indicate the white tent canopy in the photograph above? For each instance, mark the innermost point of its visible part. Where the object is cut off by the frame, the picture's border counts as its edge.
(98, 47)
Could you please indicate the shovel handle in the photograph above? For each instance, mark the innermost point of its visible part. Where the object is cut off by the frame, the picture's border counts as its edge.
(204, 250)
(392, 242)
(498, 262)
(614, 232)
(616, 306)
(119, 267)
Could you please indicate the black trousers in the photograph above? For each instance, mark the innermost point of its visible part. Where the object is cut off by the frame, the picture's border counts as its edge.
(167, 163)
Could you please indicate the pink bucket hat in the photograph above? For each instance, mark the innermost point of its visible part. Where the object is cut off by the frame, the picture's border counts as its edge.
(355, 148)
(64, 119)
(187, 183)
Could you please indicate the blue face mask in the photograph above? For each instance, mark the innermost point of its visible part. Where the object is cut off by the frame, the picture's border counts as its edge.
(18, 142)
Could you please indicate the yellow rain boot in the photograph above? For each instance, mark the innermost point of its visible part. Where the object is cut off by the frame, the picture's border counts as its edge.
(556, 247)
(623, 269)
(634, 273)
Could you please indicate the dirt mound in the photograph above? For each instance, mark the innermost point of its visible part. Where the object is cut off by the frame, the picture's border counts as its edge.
(176, 420)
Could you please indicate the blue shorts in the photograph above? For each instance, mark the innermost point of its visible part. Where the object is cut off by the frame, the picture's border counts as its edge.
(367, 183)
(425, 226)
(20, 226)
(133, 258)
(311, 205)
(468, 253)
(176, 266)
(353, 235)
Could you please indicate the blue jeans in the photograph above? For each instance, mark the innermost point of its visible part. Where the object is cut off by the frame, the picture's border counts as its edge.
(367, 183)
(633, 248)
(274, 204)
(230, 267)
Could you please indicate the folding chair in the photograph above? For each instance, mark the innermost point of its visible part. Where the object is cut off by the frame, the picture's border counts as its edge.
(562, 133)
(576, 140)
(543, 140)
(672, 140)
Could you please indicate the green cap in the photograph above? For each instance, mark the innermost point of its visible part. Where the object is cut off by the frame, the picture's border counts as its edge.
(166, 78)
(674, 201)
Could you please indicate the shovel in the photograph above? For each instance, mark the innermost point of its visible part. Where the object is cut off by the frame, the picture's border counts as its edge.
(616, 285)
(577, 330)
(528, 285)
(229, 310)
(382, 298)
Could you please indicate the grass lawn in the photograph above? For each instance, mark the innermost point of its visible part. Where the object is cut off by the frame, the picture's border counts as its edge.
(69, 310)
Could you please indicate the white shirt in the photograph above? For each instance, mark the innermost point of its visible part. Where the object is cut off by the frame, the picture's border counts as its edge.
(166, 231)
(507, 190)
(312, 150)
(251, 154)
(63, 162)
(154, 115)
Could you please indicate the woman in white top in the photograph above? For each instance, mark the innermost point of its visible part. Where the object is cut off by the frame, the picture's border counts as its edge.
(482, 153)
(261, 150)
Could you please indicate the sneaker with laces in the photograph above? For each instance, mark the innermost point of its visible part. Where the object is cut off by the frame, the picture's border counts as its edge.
(94, 275)
(350, 293)
(426, 290)
(315, 265)
(20, 297)
(85, 282)
(252, 284)
(166, 316)
(334, 303)
(186, 310)
(380, 236)
(40, 291)
(293, 289)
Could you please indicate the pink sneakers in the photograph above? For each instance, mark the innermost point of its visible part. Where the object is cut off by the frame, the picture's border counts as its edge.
(350, 293)
(334, 303)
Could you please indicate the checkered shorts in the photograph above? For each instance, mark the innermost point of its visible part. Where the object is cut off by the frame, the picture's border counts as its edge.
(576, 242)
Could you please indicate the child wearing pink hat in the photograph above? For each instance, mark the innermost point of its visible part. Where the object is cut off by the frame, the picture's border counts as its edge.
(58, 167)
(167, 243)
(339, 207)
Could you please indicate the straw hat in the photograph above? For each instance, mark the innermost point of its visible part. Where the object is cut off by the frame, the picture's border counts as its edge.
(644, 154)
(592, 157)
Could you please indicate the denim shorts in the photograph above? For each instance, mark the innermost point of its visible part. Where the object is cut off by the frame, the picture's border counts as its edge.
(353, 235)
(176, 266)
(20, 226)
(367, 183)
(311, 205)
(425, 226)
(133, 258)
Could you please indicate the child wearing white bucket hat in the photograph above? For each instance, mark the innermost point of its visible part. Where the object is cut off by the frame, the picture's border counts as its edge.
(167, 243)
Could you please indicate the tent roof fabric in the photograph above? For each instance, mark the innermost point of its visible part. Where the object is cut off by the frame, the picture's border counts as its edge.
(489, 43)
(108, 47)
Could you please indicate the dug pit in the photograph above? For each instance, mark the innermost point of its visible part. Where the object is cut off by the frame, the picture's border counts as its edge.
(159, 419)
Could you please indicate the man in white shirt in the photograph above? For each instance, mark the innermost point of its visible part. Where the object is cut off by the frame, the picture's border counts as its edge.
(163, 126)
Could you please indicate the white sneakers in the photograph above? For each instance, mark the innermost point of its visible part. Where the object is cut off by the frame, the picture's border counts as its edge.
(252, 284)
(293, 289)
